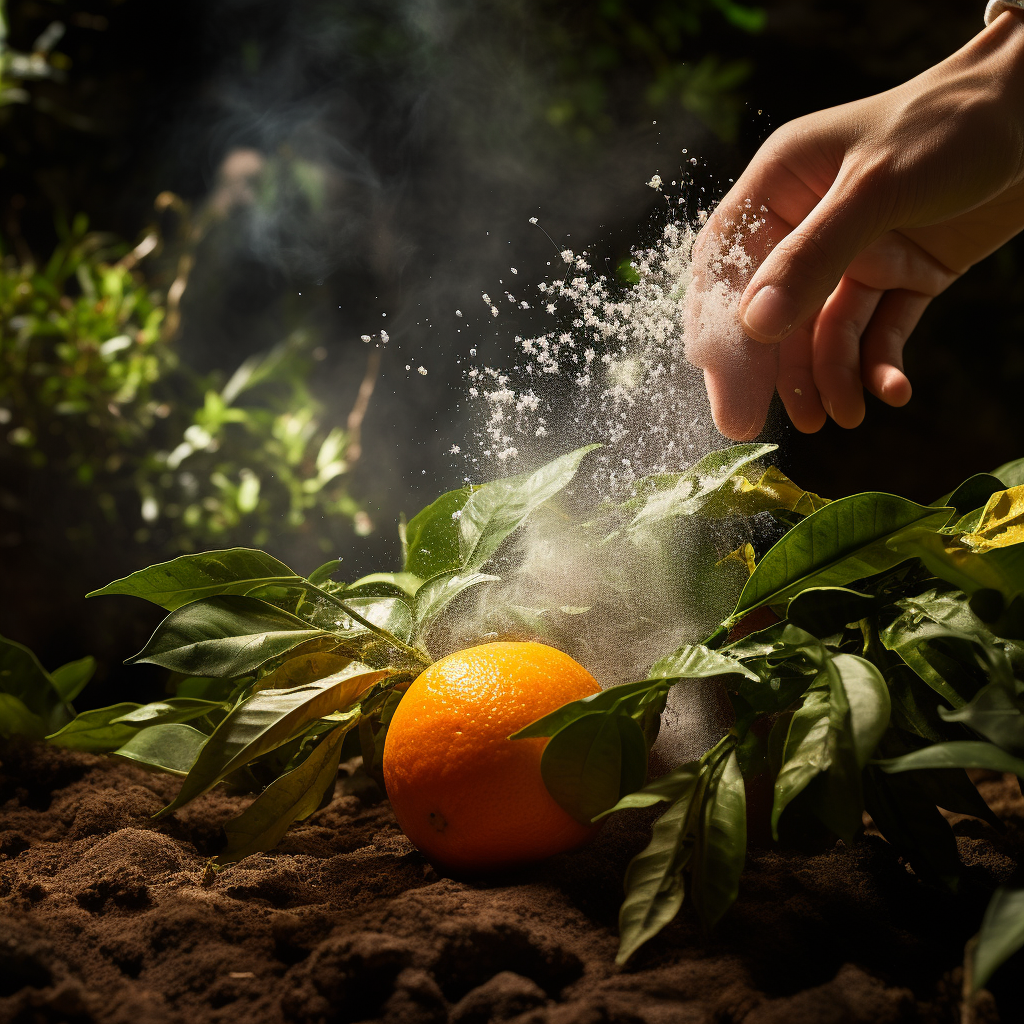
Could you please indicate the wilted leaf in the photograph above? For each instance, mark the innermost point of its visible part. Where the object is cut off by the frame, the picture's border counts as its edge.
(169, 747)
(267, 720)
(189, 578)
(224, 636)
(1001, 523)
(845, 541)
(593, 761)
(290, 797)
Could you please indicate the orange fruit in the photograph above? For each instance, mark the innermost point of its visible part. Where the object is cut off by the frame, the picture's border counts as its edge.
(469, 797)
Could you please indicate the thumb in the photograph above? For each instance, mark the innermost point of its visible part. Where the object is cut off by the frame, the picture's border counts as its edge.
(803, 270)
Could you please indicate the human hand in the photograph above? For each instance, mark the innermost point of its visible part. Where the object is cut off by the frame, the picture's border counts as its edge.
(843, 228)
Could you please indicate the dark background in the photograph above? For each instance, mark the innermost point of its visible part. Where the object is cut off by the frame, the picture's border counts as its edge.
(437, 129)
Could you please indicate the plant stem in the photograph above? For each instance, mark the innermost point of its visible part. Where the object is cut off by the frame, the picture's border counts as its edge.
(389, 638)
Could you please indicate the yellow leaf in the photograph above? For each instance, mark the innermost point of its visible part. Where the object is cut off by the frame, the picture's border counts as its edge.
(744, 555)
(1002, 522)
(772, 490)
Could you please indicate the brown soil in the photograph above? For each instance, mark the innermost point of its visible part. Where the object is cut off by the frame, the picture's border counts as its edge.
(107, 916)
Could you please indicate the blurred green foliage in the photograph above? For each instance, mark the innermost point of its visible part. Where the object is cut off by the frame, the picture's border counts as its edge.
(91, 388)
(595, 42)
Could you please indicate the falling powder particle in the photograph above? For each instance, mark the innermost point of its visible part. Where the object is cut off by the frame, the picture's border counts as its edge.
(454, 450)
(655, 182)
(384, 337)
(365, 338)
(421, 370)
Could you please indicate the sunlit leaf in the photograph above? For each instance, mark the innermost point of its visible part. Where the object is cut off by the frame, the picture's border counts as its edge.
(432, 536)
(169, 747)
(496, 509)
(693, 661)
(224, 636)
(303, 668)
(322, 574)
(845, 541)
(189, 578)
(972, 493)
(771, 491)
(384, 584)
(267, 720)
(437, 593)
(290, 797)
(1001, 523)
(670, 495)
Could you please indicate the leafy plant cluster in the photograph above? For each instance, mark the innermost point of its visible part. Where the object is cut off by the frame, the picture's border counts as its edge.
(91, 389)
(892, 668)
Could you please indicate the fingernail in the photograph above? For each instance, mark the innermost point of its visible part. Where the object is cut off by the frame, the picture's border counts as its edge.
(770, 312)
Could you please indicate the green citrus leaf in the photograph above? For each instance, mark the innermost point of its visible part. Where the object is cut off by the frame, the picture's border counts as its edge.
(694, 661)
(956, 754)
(661, 790)
(23, 677)
(438, 592)
(496, 509)
(268, 720)
(174, 709)
(432, 536)
(840, 543)
(323, 573)
(593, 761)
(17, 720)
(69, 680)
(1002, 932)
(96, 731)
(189, 578)
(224, 636)
(823, 611)
(630, 696)
(290, 797)
(720, 846)
(170, 747)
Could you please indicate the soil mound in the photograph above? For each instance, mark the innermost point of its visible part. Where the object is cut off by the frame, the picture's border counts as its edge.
(107, 916)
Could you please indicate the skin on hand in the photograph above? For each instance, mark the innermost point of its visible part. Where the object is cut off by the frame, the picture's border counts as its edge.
(843, 228)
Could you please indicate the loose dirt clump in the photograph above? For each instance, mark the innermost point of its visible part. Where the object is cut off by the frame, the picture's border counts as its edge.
(107, 916)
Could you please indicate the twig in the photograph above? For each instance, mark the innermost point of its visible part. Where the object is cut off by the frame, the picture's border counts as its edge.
(362, 403)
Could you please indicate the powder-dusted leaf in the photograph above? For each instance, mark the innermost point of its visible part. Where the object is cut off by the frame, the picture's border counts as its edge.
(392, 614)
(303, 668)
(189, 578)
(437, 593)
(823, 611)
(693, 661)
(17, 720)
(224, 636)
(632, 694)
(654, 879)
(268, 720)
(96, 731)
(174, 709)
(323, 573)
(432, 536)
(496, 509)
(771, 491)
(384, 584)
(664, 789)
(845, 541)
(69, 680)
(1002, 932)
(720, 846)
(594, 761)
(670, 495)
(290, 797)
(956, 754)
(170, 747)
